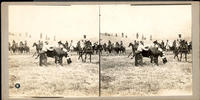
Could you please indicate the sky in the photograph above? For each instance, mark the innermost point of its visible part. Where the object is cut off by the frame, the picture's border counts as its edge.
(72, 22)
(164, 21)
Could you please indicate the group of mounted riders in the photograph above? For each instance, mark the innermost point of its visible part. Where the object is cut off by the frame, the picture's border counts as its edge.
(20, 47)
(86, 47)
(117, 47)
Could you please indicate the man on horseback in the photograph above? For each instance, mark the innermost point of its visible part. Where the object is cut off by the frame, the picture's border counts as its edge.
(175, 49)
(66, 45)
(21, 45)
(117, 47)
(87, 49)
(122, 47)
(109, 46)
(14, 46)
(162, 44)
(183, 48)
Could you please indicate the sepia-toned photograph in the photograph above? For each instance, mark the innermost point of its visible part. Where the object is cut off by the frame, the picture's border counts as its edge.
(51, 50)
(147, 50)
(99, 50)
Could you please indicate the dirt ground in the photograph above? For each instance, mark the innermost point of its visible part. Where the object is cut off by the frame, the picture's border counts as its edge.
(120, 77)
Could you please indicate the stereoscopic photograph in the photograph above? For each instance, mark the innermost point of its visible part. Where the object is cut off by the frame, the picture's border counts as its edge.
(147, 50)
(99, 50)
(51, 50)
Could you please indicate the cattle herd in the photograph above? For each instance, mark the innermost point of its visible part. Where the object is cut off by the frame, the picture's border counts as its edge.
(85, 48)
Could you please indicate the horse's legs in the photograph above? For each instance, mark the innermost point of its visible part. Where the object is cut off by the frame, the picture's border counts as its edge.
(156, 60)
(181, 56)
(136, 60)
(41, 59)
(186, 56)
(130, 54)
(60, 61)
(151, 57)
(82, 56)
(45, 60)
(85, 56)
(55, 59)
(90, 57)
(79, 55)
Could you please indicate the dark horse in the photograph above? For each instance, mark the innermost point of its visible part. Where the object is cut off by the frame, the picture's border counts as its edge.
(56, 53)
(38, 48)
(153, 53)
(86, 50)
(183, 48)
(133, 47)
(14, 47)
(23, 48)
(110, 48)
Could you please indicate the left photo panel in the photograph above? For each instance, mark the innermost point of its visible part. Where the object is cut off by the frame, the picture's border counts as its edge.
(52, 50)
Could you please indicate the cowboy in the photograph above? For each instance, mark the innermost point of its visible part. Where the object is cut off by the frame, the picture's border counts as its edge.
(13, 41)
(162, 44)
(66, 44)
(60, 45)
(155, 44)
(121, 44)
(167, 45)
(140, 47)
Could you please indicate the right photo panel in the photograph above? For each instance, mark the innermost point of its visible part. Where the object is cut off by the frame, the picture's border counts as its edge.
(146, 50)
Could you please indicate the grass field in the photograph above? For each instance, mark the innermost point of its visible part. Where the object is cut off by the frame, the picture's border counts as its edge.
(120, 77)
(76, 79)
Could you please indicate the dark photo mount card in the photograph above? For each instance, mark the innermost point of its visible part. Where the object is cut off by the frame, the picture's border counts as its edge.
(100, 50)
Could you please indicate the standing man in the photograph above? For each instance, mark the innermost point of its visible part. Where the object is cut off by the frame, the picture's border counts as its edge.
(167, 45)
(66, 45)
(43, 55)
(138, 54)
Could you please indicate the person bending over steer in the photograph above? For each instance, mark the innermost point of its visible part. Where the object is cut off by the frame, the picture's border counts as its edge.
(61, 51)
(55, 52)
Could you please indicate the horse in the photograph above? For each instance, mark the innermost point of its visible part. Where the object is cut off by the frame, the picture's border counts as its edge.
(122, 49)
(105, 47)
(38, 48)
(56, 53)
(153, 53)
(87, 50)
(134, 48)
(14, 47)
(190, 46)
(26, 49)
(100, 48)
(110, 48)
(95, 48)
(183, 49)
